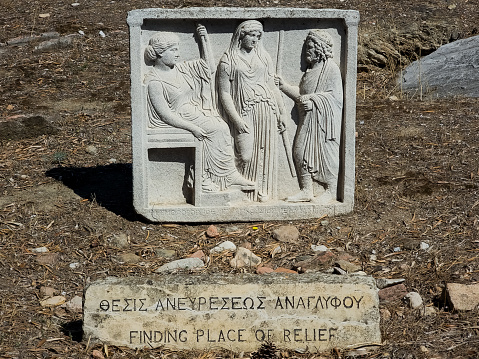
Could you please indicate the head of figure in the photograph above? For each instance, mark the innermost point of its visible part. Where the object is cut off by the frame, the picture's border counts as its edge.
(163, 47)
(250, 33)
(318, 47)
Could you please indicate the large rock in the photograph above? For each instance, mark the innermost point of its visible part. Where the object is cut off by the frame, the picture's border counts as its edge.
(462, 296)
(452, 70)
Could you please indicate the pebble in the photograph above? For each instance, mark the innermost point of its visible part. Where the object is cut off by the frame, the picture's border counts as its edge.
(348, 266)
(319, 261)
(167, 253)
(129, 258)
(101, 33)
(48, 258)
(212, 231)
(284, 270)
(424, 246)
(385, 314)
(338, 270)
(39, 250)
(392, 293)
(53, 301)
(264, 270)
(92, 150)
(47, 291)
(74, 265)
(289, 234)
(185, 263)
(276, 250)
(428, 311)
(96, 354)
(198, 254)
(319, 248)
(119, 240)
(74, 305)
(385, 282)
(414, 300)
(324, 223)
(245, 258)
(75, 4)
(62, 42)
(397, 249)
(81, 32)
(224, 246)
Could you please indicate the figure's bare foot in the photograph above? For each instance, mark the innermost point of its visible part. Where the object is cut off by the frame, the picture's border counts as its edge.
(301, 196)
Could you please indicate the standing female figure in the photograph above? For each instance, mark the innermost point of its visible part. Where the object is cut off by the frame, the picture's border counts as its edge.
(179, 94)
(253, 106)
(319, 99)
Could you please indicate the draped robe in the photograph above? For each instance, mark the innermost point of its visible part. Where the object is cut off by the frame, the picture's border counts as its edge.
(189, 96)
(316, 146)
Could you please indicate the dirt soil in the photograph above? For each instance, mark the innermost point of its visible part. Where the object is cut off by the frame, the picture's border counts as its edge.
(65, 179)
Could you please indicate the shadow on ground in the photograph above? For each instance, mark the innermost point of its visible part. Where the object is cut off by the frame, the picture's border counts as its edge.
(74, 330)
(111, 186)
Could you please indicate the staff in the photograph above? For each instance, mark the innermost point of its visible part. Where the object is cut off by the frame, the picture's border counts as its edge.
(282, 129)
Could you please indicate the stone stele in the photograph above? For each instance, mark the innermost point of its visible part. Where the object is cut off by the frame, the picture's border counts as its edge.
(312, 312)
(243, 114)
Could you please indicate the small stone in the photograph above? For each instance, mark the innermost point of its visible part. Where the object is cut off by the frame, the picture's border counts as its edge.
(360, 272)
(320, 261)
(338, 270)
(246, 245)
(392, 293)
(245, 258)
(166, 253)
(39, 250)
(325, 222)
(47, 292)
(212, 231)
(428, 311)
(198, 254)
(288, 234)
(185, 263)
(53, 301)
(128, 258)
(119, 240)
(81, 32)
(276, 250)
(48, 258)
(462, 296)
(75, 4)
(385, 282)
(74, 305)
(393, 98)
(452, 6)
(348, 266)
(424, 349)
(414, 300)
(92, 150)
(43, 16)
(96, 354)
(284, 270)
(424, 246)
(319, 248)
(345, 256)
(101, 33)
(397, 249)
(385, 314)
(224, 246)
(74, 265)
(264, 270)
(373, 257)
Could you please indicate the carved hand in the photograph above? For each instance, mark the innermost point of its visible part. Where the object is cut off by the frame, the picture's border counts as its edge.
(201, 30)
(305, 103)
(199, 133)
(242, 127)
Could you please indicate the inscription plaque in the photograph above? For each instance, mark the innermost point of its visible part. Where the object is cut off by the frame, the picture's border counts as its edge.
(311, 311)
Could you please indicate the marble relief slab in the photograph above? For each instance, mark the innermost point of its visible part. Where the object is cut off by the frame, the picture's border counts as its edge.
(242, 114)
